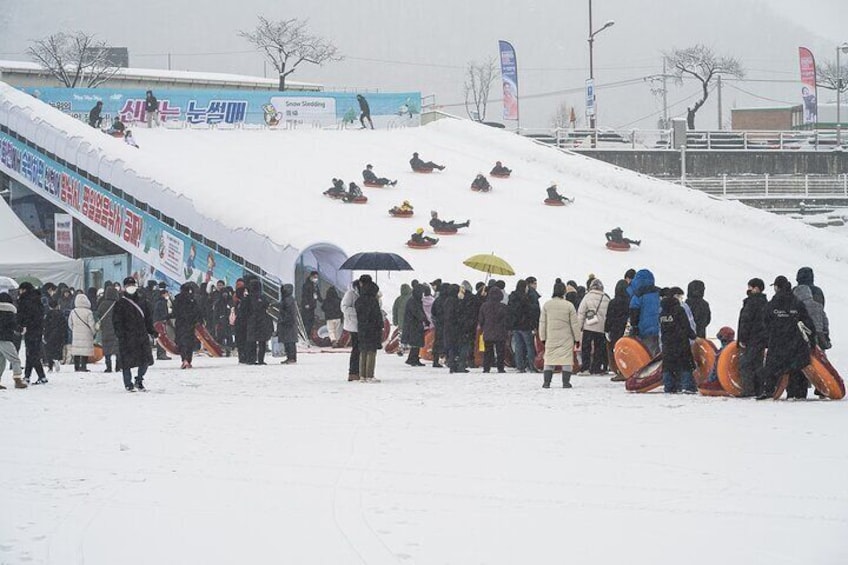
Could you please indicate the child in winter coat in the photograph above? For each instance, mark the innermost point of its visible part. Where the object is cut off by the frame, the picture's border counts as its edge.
(83, 327)
(55, 334)
(8, 331)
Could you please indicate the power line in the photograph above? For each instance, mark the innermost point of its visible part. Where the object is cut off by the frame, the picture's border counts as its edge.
(766, 98)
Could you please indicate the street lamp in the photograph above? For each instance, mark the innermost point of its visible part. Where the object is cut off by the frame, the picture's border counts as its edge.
(840, 49)
(592, 35)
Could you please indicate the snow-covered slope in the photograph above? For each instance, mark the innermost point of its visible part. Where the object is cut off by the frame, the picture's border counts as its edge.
(272, 181)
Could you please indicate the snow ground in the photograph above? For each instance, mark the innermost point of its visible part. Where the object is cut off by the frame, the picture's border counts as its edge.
(292, 464)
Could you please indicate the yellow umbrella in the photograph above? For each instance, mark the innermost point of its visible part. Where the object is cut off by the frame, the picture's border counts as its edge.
(490, 264)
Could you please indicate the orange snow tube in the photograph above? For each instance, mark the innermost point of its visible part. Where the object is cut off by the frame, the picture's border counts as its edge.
(374, 184)
(630, 355)
(401, 213)
(445, 231)
(824, 376)
(98, 354)
(426, 352)
(358, 200)
(554, 202)
(705, 353)
(618, 246)
(415, 245)
(646, 378)
(500, 175)
(727, 370)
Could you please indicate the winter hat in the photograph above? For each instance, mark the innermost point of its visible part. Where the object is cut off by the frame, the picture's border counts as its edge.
(5, 298)
(479, 285)
(163, 285)
(434, 213)
(419, 231)
(596, 284)
(782, 283)
(467, 286)
(365, 279)
(26, 286)
(129, 281)
(757, 283)
(805, 276)
(369, 166)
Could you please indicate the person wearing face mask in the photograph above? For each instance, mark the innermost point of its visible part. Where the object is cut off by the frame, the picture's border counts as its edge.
(186, 316)
(310, 296)
(676, 331)
(133, 323)
(752, 337)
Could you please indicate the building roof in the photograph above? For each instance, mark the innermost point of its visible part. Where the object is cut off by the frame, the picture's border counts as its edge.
(164, 75)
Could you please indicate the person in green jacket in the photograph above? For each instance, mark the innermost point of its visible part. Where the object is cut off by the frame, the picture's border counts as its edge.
(399, 312)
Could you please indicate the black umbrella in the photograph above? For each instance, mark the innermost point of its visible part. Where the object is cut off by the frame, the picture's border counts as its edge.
(376, 261)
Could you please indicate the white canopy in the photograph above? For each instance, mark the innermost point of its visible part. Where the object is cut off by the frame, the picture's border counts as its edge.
(22, 254)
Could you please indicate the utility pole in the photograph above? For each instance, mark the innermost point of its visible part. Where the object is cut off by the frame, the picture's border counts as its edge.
(169, 61)
(718, 86)
(665, 94)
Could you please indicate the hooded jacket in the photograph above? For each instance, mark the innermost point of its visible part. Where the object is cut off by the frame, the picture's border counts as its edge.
(676, 333)
(31, 313)
(414, 320)
(493, 316)
(369, 318)
(751, 329)
(287, 323)
(104, 318)
(349, 310)
(787, 348)
(617, 312)
(806, 277)
(186, 317)
(816, 311)
(644, 304)
(83, 327)
(700, 308)
(399, 305)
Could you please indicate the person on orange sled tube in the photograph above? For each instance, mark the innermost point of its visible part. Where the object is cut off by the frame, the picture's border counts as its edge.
(616, 235)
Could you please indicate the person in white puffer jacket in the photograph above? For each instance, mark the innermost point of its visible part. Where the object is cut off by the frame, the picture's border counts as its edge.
(592, 316)
(83, 327)
(350, 326)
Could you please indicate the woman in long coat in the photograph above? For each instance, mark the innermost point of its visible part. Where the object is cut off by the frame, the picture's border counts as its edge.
(83, 327)
(287, 324)
(187, 315)
(369, 318)
(259, 325)
(107, 330)
(133, 323)
(414, 324)
(559, 331)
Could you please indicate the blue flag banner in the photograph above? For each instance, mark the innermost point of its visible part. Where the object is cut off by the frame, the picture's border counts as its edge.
(509, 74)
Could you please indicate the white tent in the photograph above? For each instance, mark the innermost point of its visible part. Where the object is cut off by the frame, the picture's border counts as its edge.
(22, 254)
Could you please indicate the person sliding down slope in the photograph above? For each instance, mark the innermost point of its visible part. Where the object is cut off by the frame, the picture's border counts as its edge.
(438, 224)
(553, 194)
(499, 169)
(337, 190)
(369, 177)
(480, 183)
(616, 235)
(419, 237)
(353, 192)
(419, 165)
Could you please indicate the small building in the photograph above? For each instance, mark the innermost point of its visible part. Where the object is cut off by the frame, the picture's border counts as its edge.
(23, 74)
(779, 118)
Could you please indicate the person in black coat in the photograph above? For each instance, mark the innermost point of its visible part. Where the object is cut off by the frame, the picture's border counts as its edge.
(437, 313)
(94, 117)
(500, 169)
(240, 327)
(55, 335)
(418, 164)
(365, 111)
(369, 177)
(133, 322)
(805, 276)
(493, 323)
(415, 323)
(461, 326)
(31, 325)
(186, 316)
(700, 308)
(752, 337)
(481, 183)
(259, 325)
(521, 322)
(151, 108)
(369, 319)
(788, 346)
(310, 296)
(287, 323)
(676, 349)
(9, 334)
(332, 308)
(615, 324)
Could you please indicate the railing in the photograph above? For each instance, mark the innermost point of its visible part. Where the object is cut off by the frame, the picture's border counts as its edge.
(772, 186)
(700, 140)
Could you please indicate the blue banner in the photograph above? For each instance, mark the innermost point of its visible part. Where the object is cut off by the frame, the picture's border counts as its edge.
(164, 252)
(509, 75)
(265, 107)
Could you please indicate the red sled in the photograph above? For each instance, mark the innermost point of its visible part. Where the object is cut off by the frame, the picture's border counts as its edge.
(416, 245)
(476, 189)
(374, 184)
(646, 378)
(166, 337)
(445, 231)
(824, 376)
(401, 213)
(554, 202)
(393, 345)
(422, 171)
(539, 361)
(500, 175)
(207, 341)
(618, 246)
(358, 200)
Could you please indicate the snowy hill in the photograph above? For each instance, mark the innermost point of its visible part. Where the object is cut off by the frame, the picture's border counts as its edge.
(271, 181)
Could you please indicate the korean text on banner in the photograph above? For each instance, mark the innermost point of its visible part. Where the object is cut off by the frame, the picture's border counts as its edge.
(509, 74)
(63, 230)
(808, 85)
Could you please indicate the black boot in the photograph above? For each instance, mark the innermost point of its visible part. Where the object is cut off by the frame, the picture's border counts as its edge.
(566, 379)
(549, 375)
(108, 364)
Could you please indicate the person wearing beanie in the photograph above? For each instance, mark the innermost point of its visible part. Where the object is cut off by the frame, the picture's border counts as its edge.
(591, 317)
(559, 332)
(676, 333)
(441, 225)
(790, 335)
(8, 335)
(133, 323)
(421, 239)
(752, 337)
(616, 324)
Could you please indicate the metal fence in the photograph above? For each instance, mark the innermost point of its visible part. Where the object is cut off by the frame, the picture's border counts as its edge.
(772, 186)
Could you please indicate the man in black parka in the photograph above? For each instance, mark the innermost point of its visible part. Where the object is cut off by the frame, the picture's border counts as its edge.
(133, 323)
(31, 325)
(751, 337)
(700, 308)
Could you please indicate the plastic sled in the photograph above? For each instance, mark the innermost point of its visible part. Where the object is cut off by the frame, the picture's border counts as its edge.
(416, 245)
(646, 378)
(387, 330)
(401, 213)
(500, 175)
(426, 352)
(393, 345)
(630, 355)
(166, 337)
(445, 231)
(374, 185)
(475, 189)
(422, 171)
(334, 196)
(727, 370)
(207, 341)
(554, 202)
(705, 353)
(618, 246)
(824, 376)
(97, 357)
(713, 388)
(320, 336)
(358, 200)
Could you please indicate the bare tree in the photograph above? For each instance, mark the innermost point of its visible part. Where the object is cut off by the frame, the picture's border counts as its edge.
(77, 59)
(478, 81)
(831, 78)
(702, 64)
(288, 43)
(564, 117)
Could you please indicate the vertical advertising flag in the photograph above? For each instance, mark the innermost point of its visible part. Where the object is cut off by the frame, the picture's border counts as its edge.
(509, 74)
(63, 234)
(808, 85)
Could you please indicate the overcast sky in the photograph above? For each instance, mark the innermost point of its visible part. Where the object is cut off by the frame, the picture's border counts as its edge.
(425, 46)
